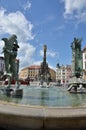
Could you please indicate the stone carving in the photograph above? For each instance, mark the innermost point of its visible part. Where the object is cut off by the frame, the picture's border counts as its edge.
(10, 53)
(77, 64)
(45, 74)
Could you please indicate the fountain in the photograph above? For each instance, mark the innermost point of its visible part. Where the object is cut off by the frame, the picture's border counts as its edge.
(42, 108)
(77, 83)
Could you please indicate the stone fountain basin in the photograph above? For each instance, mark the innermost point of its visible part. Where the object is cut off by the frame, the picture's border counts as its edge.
(25, 117)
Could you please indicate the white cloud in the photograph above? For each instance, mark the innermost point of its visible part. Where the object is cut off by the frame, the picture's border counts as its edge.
(74, 5)
(75, 9)
(59, 28)
(26, 54)
(51, 54)
(48, 53)
(1, 46)
(27, 5)
(37, 62)
(16, 23)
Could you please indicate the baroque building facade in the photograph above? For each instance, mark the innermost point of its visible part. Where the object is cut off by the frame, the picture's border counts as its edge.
(63, 74)
(33, 72)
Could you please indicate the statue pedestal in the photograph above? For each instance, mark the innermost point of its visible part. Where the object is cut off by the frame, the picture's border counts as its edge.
(14, 92)
(76, 80)
(6, 91)
(17, 92)
(77, 85)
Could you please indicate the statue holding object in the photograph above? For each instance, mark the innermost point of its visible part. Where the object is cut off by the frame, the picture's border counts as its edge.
(11, 64)
(77, 64)
(76, 83)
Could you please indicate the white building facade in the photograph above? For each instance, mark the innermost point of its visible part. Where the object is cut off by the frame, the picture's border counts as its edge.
(63, 73)
(84, 63)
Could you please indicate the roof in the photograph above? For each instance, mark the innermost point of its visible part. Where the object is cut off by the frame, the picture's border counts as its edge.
(84, 49)
(34, 66)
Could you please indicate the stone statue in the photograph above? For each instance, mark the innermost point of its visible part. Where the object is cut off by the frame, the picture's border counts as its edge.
(76, 83)
(77, 65)
(44, 73)
(10, 53)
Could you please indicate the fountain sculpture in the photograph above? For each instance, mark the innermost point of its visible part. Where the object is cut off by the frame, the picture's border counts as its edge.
(11, 66)
(77, 84)
(62, 111)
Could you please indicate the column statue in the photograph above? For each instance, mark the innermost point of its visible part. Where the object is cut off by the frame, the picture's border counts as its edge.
(77, 64)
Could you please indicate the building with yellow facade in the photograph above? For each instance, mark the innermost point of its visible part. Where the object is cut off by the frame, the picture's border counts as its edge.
(34, 71)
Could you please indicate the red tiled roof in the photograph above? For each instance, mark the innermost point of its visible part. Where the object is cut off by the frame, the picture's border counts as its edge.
(34, 66)
(84, 49)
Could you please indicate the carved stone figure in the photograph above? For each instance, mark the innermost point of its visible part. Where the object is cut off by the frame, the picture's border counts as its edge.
(77, 65)
(10, 53)
(45, 74)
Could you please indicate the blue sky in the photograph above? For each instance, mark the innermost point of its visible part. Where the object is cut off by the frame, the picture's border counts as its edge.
(38, 22)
